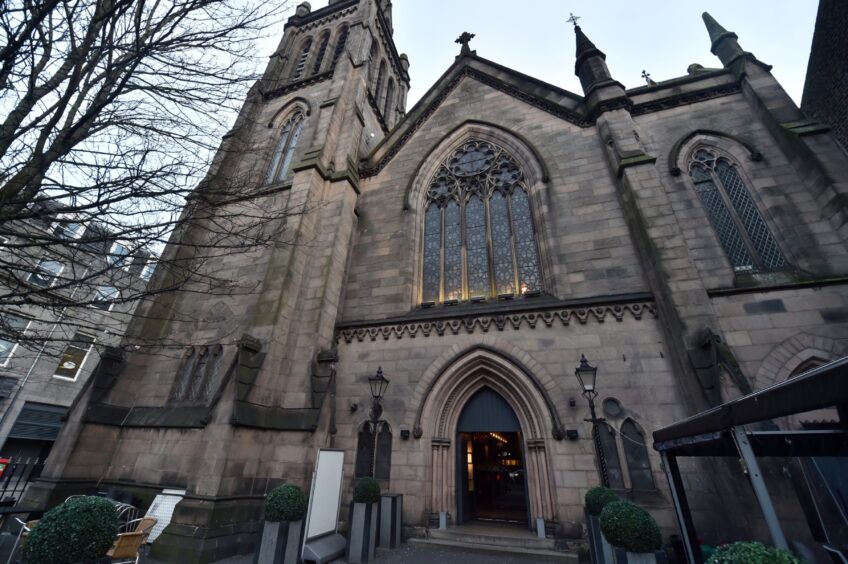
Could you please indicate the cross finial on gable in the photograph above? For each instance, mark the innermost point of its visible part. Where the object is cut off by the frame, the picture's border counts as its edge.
(463, 40)
(647, 76)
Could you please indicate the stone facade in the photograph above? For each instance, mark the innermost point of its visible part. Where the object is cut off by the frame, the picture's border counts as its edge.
(633, 275)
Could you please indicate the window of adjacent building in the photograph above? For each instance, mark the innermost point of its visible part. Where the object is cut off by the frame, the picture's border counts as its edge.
(74, 356)
(747, 240)
(479, 238)
(340, 45)
(284, 152)
(67, 229)
(104, 297)
(322, 49)
(300, 65)
(11, 325)
(117, 254)
(45, 273)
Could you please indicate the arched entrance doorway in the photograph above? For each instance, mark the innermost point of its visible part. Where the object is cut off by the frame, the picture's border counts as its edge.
(441, 397)
(490, 477)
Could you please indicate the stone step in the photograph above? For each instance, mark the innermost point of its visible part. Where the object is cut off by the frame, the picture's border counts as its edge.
(543, 555)
(506, 536)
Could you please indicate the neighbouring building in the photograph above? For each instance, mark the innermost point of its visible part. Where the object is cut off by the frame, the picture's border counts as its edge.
(826, 87)
(66, 291)
(688, 237)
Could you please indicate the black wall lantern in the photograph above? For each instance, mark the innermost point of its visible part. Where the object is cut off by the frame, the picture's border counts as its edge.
(378, 384)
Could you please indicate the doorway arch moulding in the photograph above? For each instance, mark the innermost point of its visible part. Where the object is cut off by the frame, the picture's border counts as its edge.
(444, 400)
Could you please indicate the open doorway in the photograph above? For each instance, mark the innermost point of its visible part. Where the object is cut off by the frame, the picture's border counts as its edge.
(491, 478)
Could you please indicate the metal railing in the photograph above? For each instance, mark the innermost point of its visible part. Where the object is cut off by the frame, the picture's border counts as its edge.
(17, 475)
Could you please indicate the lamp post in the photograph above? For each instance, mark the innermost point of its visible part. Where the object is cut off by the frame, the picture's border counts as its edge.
(587, 376)
(378, 384)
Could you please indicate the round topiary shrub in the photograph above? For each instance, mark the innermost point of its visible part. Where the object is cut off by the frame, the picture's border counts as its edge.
(628, 526)
(366, 490)
(752, 553)
(597, 498)
(81, 529)
(285, 503)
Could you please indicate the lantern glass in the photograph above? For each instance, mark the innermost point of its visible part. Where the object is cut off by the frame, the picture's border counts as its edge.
(586, 375)
(378, 384)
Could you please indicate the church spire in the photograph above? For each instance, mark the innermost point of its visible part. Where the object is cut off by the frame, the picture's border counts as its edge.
(724, 44)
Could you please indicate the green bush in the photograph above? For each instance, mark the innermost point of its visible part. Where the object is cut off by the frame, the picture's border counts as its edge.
(628, 526)
(752, 553)
(82, 528)
(285, 503)
(597, 498)
(366, 490)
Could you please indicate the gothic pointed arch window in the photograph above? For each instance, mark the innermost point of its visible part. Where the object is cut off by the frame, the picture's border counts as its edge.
(374, 451)
(378, 87)
(390, 94)
(284, 151)
(300, 63)
(741, 229)
(340, 45)
(479, 237)
(636, 456)
(322, 49)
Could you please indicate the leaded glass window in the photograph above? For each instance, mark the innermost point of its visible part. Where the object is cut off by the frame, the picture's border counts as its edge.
(636, 455)
(479, 236)
(281, 161)
(741, 229)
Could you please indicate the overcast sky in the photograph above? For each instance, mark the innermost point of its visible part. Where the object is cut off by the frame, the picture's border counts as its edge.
(660, 36)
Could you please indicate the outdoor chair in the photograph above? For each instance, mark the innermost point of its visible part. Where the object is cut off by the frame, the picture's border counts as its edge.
(20, 541)
(128, 546)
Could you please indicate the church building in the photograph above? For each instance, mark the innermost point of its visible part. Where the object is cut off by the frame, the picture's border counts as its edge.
(687, 238)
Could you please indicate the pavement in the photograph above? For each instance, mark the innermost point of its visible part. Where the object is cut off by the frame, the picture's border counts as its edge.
(417, 553)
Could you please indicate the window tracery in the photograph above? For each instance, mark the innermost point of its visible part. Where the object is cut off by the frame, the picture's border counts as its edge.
(284, 152)
(741, 229)
(479, 239)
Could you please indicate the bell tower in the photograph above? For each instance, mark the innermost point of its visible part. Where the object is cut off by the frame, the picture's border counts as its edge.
(237, 402)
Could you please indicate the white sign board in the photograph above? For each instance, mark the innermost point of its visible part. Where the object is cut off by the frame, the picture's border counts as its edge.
(326, 494)
(163, 509)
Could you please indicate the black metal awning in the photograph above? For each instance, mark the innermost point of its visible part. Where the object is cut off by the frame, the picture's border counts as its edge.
(721, 432)
(822, 387)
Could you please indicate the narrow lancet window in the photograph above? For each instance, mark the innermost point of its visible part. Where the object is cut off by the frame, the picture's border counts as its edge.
(300, 65)
(322, 49)
(390, 94)
(741, 229)
(284, 152)
(340, 45)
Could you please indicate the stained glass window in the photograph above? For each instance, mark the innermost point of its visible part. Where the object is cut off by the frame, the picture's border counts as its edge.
(501, 245)
(479, 237)
(432, 253)
(453, 252)
(744, 235)
(476, 248)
